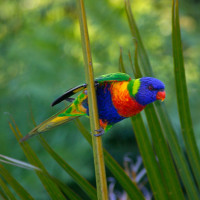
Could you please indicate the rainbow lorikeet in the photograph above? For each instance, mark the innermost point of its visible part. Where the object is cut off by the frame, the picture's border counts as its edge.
(118, 97)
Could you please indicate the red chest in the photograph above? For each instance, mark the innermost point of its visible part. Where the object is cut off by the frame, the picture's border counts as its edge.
(125, 105)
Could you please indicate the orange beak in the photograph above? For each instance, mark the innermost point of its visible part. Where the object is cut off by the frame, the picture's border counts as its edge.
(161, 95)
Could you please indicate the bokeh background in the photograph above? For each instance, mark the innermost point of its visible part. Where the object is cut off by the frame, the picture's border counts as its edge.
(41, 57)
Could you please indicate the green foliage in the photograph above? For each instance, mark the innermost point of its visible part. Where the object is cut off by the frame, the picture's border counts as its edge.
(14, 184)
(157, 128)
(7, 193)
(182, 95)
(50, 186)
(82, 182)
(41, 38)
(114, 167)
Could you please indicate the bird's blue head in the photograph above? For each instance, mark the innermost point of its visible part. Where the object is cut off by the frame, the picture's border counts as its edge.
(146, 90)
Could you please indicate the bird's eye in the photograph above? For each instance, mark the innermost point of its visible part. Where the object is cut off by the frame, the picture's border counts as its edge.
(150, 87)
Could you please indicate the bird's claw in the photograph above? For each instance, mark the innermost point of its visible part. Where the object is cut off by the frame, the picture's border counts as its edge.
(99, 131)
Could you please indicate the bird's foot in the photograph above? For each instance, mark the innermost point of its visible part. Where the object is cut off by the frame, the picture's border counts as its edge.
(99, 131)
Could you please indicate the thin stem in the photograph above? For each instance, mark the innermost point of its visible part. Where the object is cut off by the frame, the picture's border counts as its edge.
(93, 110)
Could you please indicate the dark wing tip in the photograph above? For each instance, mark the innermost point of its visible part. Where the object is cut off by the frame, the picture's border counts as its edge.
(69, 93)
(54, 103)
(59, 99)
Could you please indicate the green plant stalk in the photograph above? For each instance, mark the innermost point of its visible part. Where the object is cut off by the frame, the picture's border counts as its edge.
(22, 193)
(121, 63)
(6, 190)
(157, 184)
(136, 71)
(49, 182)
(182, 95)
(145, 147)
(52, 189)
(124, 180)
(176, 150)
(150, 163)
(100, 173)
(153, 172)
(168, 129)
(162, 151)
(82, 182)
(135, 32)
(66, 190)
(3, 196)
(131, 62)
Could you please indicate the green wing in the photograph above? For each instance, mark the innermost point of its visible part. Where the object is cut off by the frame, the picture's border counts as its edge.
(113, 77)
(104, 78)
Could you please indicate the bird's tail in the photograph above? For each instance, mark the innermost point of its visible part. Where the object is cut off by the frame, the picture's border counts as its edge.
(63, 116)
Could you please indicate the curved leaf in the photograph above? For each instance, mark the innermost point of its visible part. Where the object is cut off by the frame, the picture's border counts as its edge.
(81, 181)
(114, 168)
(66, 190)
(52, 189)
(182, 95)
(23, 194)
(6, 191)
(161, 113)
(149, 159)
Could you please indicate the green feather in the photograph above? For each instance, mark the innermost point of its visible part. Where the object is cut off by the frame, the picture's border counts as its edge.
(113, 77)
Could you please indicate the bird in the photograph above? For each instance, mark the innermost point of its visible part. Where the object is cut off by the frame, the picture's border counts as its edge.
(118, 97)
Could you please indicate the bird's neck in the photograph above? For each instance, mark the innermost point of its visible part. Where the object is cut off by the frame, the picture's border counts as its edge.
(126, 105)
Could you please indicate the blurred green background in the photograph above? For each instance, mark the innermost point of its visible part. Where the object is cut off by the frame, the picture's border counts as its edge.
(41, 57)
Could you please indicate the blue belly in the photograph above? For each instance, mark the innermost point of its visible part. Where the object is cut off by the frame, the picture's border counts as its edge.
(106, 109)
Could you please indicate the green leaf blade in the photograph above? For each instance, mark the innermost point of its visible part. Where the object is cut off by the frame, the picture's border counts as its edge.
(52, 189)
(161, 113)
(66, 190)
(22, 193)
(7, 192)
(177, 152)
(147, 70)
(149, 159)
(182, 95)
(145, 147)
(163, 153)
(114, 168)
(166, 163)
(81, 181)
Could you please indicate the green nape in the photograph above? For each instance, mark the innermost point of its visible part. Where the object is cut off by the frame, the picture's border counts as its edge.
(133, 87)
(136, 86)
